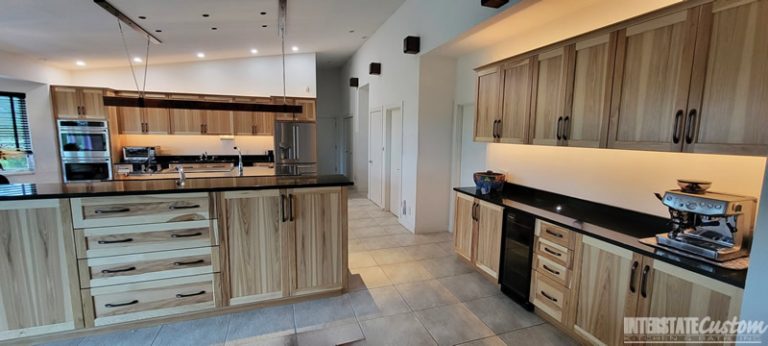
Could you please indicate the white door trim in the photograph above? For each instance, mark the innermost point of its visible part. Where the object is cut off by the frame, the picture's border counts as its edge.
(379, 109)
(388, 155)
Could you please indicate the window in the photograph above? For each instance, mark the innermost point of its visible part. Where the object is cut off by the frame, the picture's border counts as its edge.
(15, 142)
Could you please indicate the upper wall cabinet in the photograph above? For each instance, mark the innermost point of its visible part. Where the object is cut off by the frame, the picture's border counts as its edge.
(728, 101)
(550, 93)
(217, 122)
(517, 77)
(487, 105)
(254, 123)
(187, 121)
(78, 103)
(652, 76)
(135, 120)
(309, 108)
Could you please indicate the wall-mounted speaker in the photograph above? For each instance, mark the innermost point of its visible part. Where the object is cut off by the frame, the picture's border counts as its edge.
(375, 68)
(354, 82)
(493, 3)
(411, 45)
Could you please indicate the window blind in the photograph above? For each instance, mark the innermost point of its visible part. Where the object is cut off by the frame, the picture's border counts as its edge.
(14, 123)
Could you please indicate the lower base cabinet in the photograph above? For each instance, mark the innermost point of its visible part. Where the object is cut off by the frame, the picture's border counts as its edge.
(477, 233)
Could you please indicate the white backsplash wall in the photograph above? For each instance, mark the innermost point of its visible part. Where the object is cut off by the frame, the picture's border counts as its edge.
(196, 145)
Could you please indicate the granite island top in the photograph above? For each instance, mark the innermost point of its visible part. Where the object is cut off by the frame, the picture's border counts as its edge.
(14, 192)
(614, 225)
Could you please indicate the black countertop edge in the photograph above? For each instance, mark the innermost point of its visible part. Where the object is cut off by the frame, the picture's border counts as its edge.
(614, 225)
(15, 192)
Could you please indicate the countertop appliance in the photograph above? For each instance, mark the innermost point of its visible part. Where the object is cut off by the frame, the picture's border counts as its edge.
(712, 225)
(517, 255)
(139, 154)
(295, 148)
(84, 150)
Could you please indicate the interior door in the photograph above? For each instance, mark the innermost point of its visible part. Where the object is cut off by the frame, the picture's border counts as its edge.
(549, 112)
(651, 82)
(516, 100)
(348, 133)
(316, 214)
(257, 231)
(395, 145)
(729, 93)
(376, 157)
(463, 226)
(488, 97)
(591, 80)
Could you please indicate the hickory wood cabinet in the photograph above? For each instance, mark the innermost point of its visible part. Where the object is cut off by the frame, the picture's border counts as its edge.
(477, 233)
(686, 78)
(197, 122)
(135, 120)
(254, 123)
(38, 290)
(285, 243)
(78, 103)
(309, 108)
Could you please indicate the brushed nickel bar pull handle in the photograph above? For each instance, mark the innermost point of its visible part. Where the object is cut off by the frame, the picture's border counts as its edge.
(112, 211)
(548, 296)
(196, 234)
(189, 263)
(126, 240)
(113, 271)
(117, 305)
(181, 295)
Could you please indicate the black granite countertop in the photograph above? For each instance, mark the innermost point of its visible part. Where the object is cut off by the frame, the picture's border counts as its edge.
(617, 226)
(144, 187)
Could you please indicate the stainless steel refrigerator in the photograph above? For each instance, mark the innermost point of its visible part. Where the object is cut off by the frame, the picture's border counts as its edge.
(295, 148)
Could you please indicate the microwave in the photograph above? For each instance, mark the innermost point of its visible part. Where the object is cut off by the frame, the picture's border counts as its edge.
(86, 169)
(139, 154)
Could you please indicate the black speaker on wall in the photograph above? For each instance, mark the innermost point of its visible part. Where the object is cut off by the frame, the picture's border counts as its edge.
(411, 45)
(375, 68)
(354, 82)
(493, 3)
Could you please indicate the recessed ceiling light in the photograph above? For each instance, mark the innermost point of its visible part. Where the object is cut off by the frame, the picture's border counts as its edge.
(80, 63)
(351, 31)
(142, 17)
(137, 60)
(264, 26)
(201, 55)
(214, 28)
(295, 48)
(206, 15)
(263, 13)
(158, 30)
(254, 51)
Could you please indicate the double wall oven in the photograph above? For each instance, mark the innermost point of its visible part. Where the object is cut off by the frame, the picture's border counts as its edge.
(84, 150)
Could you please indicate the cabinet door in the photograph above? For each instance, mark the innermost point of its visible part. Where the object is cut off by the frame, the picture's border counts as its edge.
(186, 121)
(652, 77)
(309, 110)
(319, 253)
(516, 101)
(487, 104)
(157, 120)
(93, 104)
(218, 122)
(549, 95)
(604, 291)
(463, 226)
(488, 249)
(729, 91)
(244, 122)
(66, 101)
(130, 120)
(265, 123)
(39, 289)
(279, 100)
(591, 80)
(257, 239)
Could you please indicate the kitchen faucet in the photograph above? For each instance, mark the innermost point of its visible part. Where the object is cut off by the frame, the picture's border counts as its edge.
(239, 162)
(182, 177)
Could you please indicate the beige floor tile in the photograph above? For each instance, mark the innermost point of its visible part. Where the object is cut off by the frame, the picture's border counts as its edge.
(376, 243)
(390, 256)
(426, 294)
(501, 314)
(366, 278)
(378, 302)
(336, 335)
(246, 328)
(541, 335)
(427, 251)
(446, 245)
(470, 286)
(446, 266)
(406, 272)
(397, 330)
(361, 260)
(323, 313)
(453, 324)
(490, 341)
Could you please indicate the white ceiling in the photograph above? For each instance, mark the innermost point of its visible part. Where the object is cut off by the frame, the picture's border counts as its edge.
(63, 31)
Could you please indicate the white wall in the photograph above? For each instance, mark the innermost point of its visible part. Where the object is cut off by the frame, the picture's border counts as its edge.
(255, 76)
(329, 117)
(20, 67)
(436, 22)
(755, 306)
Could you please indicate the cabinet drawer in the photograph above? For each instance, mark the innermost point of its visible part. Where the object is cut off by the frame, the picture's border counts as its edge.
(557, 253)
(549, 297)
(130, 302)
(552, 270)
(555, 234)
(125, 240)
(136, 210)
(105, 271)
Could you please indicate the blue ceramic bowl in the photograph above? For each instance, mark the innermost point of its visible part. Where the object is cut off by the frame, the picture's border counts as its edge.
(489, 181)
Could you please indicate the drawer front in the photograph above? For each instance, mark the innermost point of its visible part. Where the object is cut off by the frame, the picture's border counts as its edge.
(131, 302)
(552, 270)
(105, 271)
(555, 252)
(136, 210)
(124, 240)
(555, 234)
(549, 297)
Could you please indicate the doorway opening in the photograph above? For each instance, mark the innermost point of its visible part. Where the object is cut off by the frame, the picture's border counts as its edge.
(376, 164)
(393, 157)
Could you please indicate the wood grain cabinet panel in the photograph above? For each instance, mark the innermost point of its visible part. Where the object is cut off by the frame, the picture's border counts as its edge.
(253, 123)
(92, 212)
(130, 120)
(279, 100)
(652, 78)
(729, 92)
(38, 290)
(257, 240)
(93, 103)
(549, 93)
(463, 226)
(66, 102)
(217, 122)
(487, 106)
(135, 120)
(488, 249)
(319, 249)
(517, 80)
(187, 121)
(309, 109)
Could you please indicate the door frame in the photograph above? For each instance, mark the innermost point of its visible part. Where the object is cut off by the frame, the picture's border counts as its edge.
(387, 117)
(370, 152)
(347, 144)
(458, 128)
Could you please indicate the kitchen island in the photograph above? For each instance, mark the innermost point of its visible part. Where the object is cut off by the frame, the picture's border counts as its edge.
(82, 257)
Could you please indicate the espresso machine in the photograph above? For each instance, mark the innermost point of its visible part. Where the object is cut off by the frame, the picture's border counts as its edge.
(712, 225)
